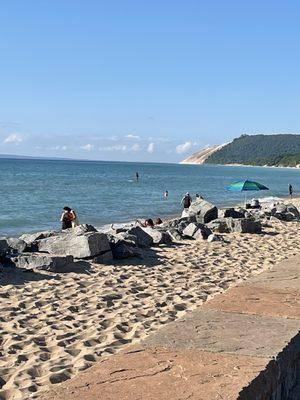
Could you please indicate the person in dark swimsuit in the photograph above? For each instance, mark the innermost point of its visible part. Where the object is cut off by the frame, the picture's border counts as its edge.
(66, 218)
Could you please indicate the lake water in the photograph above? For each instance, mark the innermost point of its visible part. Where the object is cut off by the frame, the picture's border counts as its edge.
(33, 192)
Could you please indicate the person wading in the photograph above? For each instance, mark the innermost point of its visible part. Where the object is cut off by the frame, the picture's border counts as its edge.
(291, 190)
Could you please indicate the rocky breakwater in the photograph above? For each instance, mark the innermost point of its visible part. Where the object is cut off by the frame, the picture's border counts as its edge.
(71, 249)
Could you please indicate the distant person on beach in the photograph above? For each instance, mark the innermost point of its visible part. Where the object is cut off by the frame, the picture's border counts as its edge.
(291, 190)
(137, 176)
(166, 194)
(68, 218)
(186, 201)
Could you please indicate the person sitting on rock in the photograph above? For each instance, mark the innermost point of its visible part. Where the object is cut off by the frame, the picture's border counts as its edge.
(68, 218)
(148, 223)
(158, 221)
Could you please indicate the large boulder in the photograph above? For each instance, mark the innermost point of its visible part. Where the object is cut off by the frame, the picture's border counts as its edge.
(143, 239)
(81, 229)
(87, 245)
(220, 225)
(4, 246)
(190, 229)
(103, 258)
(230, 213)
(16, 244)
(203, 211)
(197, 231)
(121, 251)
(46, 262)
(293, 210)
(30, 238)
(158, 236)
(245, 225)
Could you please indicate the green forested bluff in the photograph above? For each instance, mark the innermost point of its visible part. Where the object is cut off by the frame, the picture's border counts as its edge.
(272, 150)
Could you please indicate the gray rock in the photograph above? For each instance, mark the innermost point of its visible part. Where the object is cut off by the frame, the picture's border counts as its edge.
(81, 229)
(202, 232)
(87, 245)
(214, 238)
(121, 237)
(203, 210)
(175, 234)
(4, 246)
(143, 239)
(288, 216)
(121, 251)
(17, 244)
(230, 213)
(103, 258)
(245, 225)
(281, 208)
(29, 238)
(190, 229)
(197, 231)
(46, 262)
(158, 236)
(221, 225)
(293, 210)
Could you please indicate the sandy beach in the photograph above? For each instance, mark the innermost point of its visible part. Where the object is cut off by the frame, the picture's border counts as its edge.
(55, 325)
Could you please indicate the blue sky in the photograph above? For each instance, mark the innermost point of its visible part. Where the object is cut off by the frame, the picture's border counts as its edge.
(145, 81)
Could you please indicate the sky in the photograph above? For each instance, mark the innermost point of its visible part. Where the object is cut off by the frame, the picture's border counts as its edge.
(145, 80)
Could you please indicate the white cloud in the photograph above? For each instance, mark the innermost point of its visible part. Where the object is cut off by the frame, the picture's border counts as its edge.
(182, 148)
(150, 148)
(119, 147)
(14, 138)
(58, 147)
(130, 136)
(135, 147)
(88, 147)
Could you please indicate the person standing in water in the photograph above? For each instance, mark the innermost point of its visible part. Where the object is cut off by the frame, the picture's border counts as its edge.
(291, 190)
(137, 176)
(166, 194)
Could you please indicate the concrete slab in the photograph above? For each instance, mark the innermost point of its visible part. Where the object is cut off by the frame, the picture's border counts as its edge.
(218, 331)
(162, 374)
(258, 300)
(285, 275)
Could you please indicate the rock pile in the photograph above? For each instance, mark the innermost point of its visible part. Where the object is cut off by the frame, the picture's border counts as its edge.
(61, 251)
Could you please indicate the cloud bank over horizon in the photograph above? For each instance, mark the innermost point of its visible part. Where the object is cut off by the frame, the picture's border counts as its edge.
(126, 147)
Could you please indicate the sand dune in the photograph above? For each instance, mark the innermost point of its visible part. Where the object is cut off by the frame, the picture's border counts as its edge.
(54, 326)
(200, 156)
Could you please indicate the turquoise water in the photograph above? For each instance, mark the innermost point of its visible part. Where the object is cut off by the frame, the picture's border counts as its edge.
(34, 191)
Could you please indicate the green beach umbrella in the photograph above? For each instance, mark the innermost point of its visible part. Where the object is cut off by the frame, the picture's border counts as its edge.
(246, 186)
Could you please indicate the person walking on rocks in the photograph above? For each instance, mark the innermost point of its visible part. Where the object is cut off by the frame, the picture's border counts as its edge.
(68, 218)
(291, 190)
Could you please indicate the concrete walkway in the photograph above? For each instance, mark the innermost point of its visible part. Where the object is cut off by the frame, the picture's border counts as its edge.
(243, 344)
